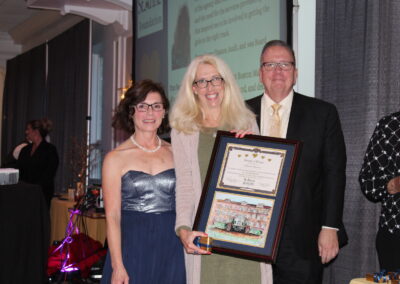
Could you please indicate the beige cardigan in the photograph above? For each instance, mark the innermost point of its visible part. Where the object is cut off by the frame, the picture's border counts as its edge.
(188, 193)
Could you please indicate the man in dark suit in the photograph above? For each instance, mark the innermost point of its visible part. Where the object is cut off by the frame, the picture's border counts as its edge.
(313, 226)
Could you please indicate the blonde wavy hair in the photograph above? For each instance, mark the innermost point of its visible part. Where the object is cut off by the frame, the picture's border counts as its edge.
(186, 115)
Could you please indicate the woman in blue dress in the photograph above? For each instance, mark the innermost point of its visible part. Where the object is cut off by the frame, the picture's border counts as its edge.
(139, 195)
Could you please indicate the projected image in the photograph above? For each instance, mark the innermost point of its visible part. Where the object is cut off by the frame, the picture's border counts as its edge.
(180, 30)
(181, 45)
(149, 65)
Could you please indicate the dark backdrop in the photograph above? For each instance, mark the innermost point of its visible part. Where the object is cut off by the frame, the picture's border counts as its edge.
(357, 68)
(24, 96)
(53, 86)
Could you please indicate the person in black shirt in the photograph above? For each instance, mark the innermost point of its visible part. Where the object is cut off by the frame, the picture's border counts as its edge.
(380, 182)
(38, 161)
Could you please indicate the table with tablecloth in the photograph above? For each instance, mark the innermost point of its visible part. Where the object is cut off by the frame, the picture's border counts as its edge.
(365, 281)
(360, 281)
(24, 234)
(92, 223)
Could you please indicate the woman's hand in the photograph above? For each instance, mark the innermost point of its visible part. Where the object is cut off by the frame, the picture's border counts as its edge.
(393, 185)
(187, 237)
(241, 133)
(119, 276)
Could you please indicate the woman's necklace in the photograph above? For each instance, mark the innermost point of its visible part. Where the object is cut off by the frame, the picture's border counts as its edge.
(145, 149)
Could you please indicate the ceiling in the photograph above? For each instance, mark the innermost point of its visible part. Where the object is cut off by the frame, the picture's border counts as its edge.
(27, 23)
(13, 13)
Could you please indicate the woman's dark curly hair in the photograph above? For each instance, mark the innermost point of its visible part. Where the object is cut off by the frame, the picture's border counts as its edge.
(134, 95)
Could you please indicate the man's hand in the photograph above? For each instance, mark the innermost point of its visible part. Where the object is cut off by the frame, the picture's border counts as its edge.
(393, 185)
(328, 244)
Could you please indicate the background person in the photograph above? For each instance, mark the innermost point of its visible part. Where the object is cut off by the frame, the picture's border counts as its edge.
(139, 195)
(314, 215)
(380, 182)
(209, 99)
(38, 161)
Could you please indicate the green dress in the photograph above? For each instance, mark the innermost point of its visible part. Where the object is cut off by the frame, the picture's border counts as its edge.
(217, 268)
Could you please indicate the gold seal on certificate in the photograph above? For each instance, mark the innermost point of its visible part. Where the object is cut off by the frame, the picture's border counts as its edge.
(251, 168)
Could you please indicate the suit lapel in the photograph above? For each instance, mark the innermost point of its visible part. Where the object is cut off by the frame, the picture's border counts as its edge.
(258, 118)
(295, 118)
(255, 105)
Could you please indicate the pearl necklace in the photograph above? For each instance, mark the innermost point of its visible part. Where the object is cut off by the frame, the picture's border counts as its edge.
(145, 149)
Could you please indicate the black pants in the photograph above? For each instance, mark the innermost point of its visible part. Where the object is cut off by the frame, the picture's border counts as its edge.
(388, 248)
(293, 269)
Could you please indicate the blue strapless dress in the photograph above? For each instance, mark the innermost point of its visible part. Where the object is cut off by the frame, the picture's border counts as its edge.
(151, 251)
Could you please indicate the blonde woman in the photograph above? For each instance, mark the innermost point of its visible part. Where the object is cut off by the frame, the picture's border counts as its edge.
(209, 99)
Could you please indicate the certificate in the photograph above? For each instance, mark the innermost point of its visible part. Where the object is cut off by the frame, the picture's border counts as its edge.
(245, 194)
(251, 168)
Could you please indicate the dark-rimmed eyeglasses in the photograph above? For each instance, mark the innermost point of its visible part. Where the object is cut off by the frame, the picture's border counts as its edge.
(203, 83)
(284, 66)
(143, 107)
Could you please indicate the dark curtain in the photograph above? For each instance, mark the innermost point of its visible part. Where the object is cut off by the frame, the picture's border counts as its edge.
(68, 79)
(357, 61)
(24, 95)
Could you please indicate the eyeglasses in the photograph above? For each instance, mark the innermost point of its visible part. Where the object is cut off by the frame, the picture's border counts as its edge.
(284, 66)
(203, 83)
(143, 107)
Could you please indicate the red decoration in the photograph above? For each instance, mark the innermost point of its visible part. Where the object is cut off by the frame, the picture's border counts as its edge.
(78, 252)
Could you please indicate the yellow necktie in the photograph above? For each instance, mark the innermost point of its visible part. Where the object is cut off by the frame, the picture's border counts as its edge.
(275, 127)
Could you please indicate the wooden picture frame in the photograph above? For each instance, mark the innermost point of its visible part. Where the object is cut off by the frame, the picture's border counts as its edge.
(245, 194)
